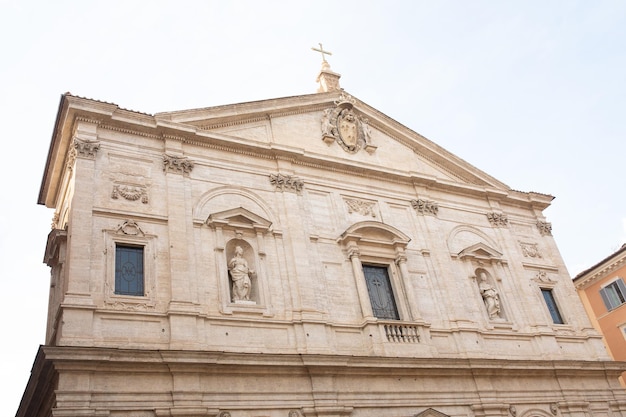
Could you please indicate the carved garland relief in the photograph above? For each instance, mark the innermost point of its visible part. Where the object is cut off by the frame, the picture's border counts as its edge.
(129, 192)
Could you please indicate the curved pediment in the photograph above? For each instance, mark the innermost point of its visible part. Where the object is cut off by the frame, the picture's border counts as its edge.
(375, 233)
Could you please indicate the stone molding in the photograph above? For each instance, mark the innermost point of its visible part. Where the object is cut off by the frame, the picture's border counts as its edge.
(286, 183)
(422, 206)
(177, 164)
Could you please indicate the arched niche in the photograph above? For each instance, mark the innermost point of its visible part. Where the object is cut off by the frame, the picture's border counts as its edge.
(239, 227)
(242, 276)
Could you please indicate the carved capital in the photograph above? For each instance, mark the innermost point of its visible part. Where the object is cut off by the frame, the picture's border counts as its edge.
(364, 208)
(353, 252)
(422, 206)
(498, 219)
(178, 164)
(286, 183)
(85, 148)
(545, 228)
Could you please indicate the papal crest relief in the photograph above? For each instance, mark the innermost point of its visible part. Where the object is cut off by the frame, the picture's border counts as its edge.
(342, 125)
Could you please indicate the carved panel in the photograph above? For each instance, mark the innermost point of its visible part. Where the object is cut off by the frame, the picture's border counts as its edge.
(422, 206)
(364, 208)
(286, 183)
(498, 219)
(530, 250)
(178, 164)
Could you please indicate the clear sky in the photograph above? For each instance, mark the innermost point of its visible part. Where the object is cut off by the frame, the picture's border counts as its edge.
(533, 92)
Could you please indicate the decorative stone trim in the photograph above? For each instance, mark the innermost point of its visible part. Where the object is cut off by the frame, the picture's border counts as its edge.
(422, 206)
(364, 208)
(498, 219)
(131, 193)
(545, 228)
(286, 183)
(179, 164)
(86, 148)
(530, 250)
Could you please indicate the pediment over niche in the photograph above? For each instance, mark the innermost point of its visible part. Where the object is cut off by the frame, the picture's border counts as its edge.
(480, 252)
(431, 412)
(239, 218)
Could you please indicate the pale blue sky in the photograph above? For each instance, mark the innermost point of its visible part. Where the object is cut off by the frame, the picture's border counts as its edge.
(532, 92)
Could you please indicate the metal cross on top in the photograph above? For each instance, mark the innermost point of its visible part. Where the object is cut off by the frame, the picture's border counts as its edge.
(322, 51)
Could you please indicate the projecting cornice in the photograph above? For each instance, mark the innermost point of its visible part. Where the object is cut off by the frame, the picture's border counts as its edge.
(187, 127)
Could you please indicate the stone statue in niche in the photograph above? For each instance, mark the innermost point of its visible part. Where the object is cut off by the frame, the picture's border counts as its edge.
(490, 296)
(240, 275)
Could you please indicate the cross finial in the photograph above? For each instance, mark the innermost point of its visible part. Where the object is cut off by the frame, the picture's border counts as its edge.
(322, 51)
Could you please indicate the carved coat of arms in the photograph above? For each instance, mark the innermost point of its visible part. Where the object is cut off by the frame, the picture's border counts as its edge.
(342, 125)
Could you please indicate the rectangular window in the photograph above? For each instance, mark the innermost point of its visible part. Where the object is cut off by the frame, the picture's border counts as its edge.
(380, 291)
(614, 294)
(552, 307)
(129, 270)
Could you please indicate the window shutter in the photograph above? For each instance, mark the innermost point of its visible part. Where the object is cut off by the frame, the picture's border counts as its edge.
(605, 298)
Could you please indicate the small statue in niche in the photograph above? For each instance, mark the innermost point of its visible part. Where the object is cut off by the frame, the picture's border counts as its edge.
(490, 296)
(240, 275)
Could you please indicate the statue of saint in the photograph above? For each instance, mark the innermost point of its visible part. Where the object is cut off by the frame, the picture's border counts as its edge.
(240, 274)
(490, 296)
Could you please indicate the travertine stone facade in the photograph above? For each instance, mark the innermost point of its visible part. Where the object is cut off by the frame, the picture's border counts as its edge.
(258, 223)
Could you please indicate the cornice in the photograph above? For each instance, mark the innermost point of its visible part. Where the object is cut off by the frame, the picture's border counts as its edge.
(114, 357)
(601, 270)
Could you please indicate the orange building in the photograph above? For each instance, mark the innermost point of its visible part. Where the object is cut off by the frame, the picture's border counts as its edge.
(602, 289)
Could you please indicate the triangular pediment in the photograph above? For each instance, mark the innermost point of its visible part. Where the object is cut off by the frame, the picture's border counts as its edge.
(480, 251)
(238, 218)
(431, 412)
(334, 129)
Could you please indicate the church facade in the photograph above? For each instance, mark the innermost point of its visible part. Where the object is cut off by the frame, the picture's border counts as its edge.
(304, 256)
